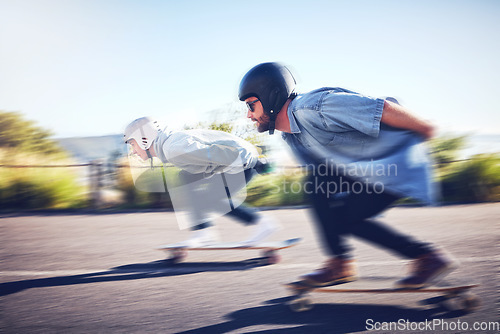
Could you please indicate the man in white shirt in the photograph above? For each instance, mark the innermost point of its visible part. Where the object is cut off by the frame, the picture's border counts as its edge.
(209, 161)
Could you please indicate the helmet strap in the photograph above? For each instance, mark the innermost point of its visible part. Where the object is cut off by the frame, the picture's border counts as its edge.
(273, 115)
(273, 97)
(150, 157)
(272, 122)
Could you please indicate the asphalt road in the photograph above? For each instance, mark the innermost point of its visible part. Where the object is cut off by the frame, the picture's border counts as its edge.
(102, 273)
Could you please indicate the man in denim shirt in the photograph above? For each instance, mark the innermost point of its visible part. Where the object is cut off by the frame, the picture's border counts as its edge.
(362, 155)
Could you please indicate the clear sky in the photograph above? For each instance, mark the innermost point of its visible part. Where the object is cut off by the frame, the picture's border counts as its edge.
(88, 67)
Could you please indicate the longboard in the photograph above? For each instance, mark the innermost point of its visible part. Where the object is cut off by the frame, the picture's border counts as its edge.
(455, 295)
(178, 252)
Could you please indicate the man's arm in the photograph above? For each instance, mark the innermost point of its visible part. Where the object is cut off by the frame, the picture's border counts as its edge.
(399, 117)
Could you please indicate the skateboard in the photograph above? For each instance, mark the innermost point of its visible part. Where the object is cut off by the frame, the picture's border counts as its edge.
(269, 249)
(453, 295)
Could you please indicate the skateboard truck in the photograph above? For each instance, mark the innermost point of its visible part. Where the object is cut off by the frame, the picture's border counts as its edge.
(269, 250)
(269, 256)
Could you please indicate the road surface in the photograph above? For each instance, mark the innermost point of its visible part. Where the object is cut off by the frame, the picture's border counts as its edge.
(88, 273)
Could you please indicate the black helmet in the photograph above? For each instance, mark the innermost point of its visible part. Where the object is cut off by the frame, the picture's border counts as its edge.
(272, 84)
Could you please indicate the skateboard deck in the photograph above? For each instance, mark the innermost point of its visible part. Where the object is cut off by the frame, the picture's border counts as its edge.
(453, 294)
(179, 252)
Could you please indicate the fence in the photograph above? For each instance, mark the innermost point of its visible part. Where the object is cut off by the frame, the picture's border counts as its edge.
(99, 175)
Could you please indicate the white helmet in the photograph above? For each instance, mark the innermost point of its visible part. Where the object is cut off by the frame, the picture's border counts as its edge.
(144, 130)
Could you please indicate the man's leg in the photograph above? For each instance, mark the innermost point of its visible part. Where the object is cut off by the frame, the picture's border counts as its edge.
(201, 233)
(264, 225)
(352, 214)
(348, 213)
(330, 213)
(362, 207)
(242, 213)
(328, 216)
(200, 187)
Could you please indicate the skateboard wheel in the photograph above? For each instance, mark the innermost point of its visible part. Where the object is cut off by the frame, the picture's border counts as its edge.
(469, 303)
(271, 257)
(466, 303)
(301, 304)
(177, 255)
(450, 295)
(451, 302)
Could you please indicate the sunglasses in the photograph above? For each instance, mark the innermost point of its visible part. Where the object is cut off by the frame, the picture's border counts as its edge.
(250, 105)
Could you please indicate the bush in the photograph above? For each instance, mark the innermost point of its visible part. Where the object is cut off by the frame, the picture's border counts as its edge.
(34, 188)
(276, 190)
(47, 188)
(474, 180)
(136, 198)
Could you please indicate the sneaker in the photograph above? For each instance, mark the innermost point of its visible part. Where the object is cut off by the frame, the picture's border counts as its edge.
(265, 226)
(427, 269)
(336, 271)
(201, 238)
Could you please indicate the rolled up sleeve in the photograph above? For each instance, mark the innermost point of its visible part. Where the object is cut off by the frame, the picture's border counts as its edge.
(343, 112)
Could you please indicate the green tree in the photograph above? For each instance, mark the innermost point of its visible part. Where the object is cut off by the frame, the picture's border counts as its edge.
(229, 127)
(22, 142)
(22, 135)
(233, 116)
(444, 150)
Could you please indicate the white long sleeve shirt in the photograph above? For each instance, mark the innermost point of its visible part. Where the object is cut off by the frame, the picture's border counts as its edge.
(205, 151)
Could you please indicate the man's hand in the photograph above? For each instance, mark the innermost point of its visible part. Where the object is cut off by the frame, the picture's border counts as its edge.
(428, 132)
(263, 166)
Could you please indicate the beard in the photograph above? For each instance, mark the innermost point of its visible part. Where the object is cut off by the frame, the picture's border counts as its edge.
(263, 127)
(263, 123)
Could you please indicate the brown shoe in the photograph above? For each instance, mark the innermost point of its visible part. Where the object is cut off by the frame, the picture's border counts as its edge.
(427, 269)
(336, 271)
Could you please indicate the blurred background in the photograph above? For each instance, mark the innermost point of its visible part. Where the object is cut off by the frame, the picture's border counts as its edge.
(73, 74)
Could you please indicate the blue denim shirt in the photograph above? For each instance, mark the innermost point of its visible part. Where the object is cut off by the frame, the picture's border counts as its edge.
(344, 128)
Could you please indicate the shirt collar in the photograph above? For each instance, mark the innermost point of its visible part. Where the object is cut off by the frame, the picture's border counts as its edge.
(294, 128)
(158, 145)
